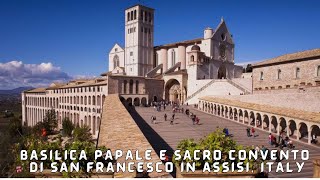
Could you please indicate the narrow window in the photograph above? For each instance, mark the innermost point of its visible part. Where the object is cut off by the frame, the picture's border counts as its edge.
(192, 58)
(135, 14)
(115, 61)
(297, 72)
(261, 75)
(279, 74)
(173, 57)
(128, 16)
(318, 71)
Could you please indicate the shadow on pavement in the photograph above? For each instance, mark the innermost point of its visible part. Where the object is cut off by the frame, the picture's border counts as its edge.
(156, 141)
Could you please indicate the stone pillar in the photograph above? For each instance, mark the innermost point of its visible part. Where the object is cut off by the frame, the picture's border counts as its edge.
(309, 136)
(255, 121)
(278, 128)
(164, 59)
(182, 56)
(298, 132)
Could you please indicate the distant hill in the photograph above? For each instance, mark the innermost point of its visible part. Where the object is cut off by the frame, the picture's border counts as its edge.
(16, 90)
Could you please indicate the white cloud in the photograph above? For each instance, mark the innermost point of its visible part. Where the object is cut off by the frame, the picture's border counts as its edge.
(17, 74)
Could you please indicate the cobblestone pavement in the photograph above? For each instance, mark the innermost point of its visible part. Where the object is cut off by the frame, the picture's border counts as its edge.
(162, 135)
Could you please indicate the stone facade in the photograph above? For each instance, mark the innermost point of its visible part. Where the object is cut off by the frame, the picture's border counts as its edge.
(81, 101)
(209, 57)
(299, 73)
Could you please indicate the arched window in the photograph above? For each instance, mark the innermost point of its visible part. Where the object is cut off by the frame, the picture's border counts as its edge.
(116, 61)
(318, 71)
(128, 16)
(131, 15)
(192, 58)
(137, 87)
(131, 86)
(173, 57)
(135, 14)
(125, 87)
(297, 72)
(146, 16)
(279, 74)
(93, 100)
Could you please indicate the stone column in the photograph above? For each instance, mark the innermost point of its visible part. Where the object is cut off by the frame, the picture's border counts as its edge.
(278, 127)
(164, 59)
(182, 55)
(309, 136)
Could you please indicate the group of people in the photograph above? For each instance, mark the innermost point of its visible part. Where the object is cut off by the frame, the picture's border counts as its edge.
(153, 118)
(157, 105)
(281, 141)
(251, 132)
(195, 119)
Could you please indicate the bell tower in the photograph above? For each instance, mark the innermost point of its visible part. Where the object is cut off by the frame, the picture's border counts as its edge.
(139, 26)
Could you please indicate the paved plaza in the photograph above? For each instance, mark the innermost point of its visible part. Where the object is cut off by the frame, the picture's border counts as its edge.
(162, 135)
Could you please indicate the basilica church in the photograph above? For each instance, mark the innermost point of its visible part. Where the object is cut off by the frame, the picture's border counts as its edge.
(184, 67)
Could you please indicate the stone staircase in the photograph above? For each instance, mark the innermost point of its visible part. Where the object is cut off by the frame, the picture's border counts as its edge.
(201, 89)
(173, 68)
(245, 90)
(154, 71)
(242, 88)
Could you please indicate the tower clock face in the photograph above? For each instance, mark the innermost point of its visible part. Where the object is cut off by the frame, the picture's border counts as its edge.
(223, 51)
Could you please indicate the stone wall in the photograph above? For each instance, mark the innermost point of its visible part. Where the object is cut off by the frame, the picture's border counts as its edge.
(118, 130)
(289, 78)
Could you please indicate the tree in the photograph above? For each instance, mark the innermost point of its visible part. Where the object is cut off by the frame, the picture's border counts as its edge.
(214, 141)
(50, 122)
(82, 134)
(67, 126)
(249, 68)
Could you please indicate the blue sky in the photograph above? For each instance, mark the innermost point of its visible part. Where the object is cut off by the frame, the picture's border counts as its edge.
(73, 37)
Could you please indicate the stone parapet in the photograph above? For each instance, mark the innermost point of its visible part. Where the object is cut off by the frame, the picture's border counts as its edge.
(118, 131)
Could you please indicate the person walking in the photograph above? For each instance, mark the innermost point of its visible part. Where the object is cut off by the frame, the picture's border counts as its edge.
(248, 132)
(253, 131)
(171, 121)
(165, 117)
(270, 138)
(173, 115)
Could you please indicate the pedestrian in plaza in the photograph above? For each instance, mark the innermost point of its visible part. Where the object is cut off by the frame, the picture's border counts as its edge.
(253, 131)
(193, 118)
(173, 115)
(197, 120)
(270, 138)
(164, 107)
(248, 132)
(154, 119)
(171, 121)
(165, 117)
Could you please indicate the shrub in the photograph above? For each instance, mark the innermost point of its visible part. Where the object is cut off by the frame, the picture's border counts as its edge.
(67, 126)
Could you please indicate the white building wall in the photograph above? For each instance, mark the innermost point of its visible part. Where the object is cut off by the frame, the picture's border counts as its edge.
(37, 104)
(219, 87)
